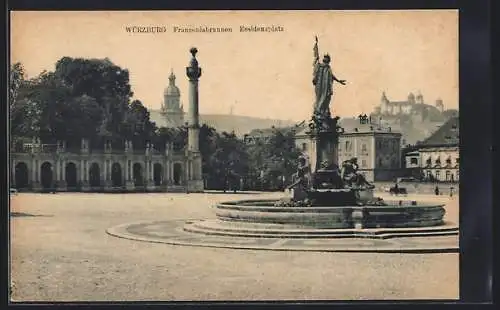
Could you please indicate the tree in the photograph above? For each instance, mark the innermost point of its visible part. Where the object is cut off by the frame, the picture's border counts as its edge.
(228, 163)
(82, 98)
(273, 160)
(138, 125)
(16, 80)
(43, 99)
(80, 116)
(23, 112)
(97, 78)
(208, 146)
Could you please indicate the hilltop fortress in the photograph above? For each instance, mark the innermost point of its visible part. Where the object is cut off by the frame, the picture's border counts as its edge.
(415, 108)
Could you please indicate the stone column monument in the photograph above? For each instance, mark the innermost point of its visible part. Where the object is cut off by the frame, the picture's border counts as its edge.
(195, 181)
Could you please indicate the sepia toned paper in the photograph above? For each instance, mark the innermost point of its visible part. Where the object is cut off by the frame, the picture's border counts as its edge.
(255, 64)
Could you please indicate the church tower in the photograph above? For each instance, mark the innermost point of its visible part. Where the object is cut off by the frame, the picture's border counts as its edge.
(420, 98)
(440, 105)
(384, 103)
(172, 109)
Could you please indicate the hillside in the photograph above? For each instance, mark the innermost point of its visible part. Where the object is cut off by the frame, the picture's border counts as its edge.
(225, 122)
(412, 131)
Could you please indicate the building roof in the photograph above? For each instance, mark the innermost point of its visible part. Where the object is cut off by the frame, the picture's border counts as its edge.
(412, 153)
(352, 125)
(447, 135)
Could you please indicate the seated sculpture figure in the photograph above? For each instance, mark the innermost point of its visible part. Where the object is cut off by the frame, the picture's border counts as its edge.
(302, 176)
(351, 177)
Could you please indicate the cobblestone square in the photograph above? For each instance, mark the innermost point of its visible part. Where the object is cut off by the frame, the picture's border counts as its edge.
(60, 251)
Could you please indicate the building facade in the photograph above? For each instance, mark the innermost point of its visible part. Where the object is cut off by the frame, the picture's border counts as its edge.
(377, 149)
(438, 158)
(39, 167)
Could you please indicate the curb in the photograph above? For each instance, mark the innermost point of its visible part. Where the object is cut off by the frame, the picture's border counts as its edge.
(120, 231)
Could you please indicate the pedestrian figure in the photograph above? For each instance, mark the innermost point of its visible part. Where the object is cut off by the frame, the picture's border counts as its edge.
(451, 191)
(436, 190)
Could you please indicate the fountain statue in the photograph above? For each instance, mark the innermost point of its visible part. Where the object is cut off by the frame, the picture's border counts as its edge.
(328, 183)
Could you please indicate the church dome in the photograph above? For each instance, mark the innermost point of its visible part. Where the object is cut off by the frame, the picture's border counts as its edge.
(172, 89)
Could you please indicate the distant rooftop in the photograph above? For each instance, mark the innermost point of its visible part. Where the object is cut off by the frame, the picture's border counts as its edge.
(447, 134)
(353, 125)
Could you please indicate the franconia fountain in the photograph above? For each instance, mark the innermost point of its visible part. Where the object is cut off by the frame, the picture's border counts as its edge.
(325, 200)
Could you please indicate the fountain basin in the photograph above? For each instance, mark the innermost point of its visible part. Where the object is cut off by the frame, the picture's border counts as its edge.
(396, 214)
(271, 218)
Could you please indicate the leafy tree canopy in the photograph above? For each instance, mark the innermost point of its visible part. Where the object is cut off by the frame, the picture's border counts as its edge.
(82, 98)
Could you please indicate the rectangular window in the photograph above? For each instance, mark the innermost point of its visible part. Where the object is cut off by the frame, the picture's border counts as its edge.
(363, 148)
(448, 176)
(438, 175)
(414, 161)
(348, 146)
(363, 163)
(304, 146)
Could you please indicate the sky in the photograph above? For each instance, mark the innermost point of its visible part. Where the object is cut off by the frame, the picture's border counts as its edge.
(261, 74)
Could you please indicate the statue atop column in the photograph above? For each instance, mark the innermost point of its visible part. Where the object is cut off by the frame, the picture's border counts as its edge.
(323, 79)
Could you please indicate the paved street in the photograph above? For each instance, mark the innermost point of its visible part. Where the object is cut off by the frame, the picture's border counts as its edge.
(61, 252)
